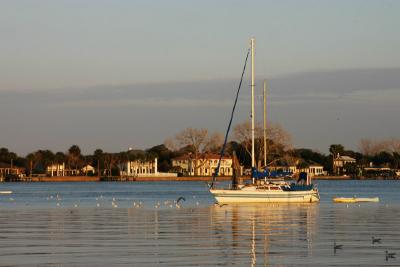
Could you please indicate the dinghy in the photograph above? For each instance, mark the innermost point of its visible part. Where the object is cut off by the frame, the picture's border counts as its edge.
(355, 199)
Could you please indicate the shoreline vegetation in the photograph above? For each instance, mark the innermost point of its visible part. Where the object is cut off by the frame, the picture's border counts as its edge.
(171, 179)
(194, 153)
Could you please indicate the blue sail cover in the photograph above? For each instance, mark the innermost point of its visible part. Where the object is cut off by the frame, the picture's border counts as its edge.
(270, 174)
(259, 175)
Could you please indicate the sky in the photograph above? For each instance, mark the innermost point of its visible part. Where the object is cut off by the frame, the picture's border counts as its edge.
(119, 74)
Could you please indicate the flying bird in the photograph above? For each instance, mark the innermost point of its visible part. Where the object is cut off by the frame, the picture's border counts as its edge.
(179, 199)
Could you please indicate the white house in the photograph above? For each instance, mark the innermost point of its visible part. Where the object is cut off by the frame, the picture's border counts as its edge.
(138, 168)
(58, 169)
(206, 165)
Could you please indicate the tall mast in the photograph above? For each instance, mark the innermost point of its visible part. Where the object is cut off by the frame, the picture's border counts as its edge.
(252, 104)
(265, 122)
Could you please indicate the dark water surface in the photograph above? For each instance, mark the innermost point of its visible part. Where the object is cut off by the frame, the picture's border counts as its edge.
(138, 224)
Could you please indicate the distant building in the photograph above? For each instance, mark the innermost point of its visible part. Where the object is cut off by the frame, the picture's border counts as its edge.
(141, 168)
(316, 170)
(7, 169)
(277, 168)
(312, 170)
(88, 170)
(138, 168)
(339, 164)
(59, 169)
(206, 165)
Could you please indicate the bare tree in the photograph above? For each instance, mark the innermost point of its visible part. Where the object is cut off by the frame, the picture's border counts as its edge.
(372, 147)
(171, 144)
(395, 145)
(278, 140)
(365, 146)
(109, 160)
(199, 142)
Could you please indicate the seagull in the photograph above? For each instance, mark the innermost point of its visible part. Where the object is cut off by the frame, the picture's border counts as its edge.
(179, 199)
(376, 240)
(390, 255)
(335, 247)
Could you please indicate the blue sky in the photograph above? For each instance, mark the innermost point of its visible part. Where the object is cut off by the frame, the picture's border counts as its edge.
(118, 74)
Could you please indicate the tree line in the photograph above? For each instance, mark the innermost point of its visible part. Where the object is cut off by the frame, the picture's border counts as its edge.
(198, 143)
(105, 163)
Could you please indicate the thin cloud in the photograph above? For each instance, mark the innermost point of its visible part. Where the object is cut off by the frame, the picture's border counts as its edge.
(142, 103)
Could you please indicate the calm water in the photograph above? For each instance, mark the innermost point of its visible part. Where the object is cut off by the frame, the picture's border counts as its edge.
(138, 224)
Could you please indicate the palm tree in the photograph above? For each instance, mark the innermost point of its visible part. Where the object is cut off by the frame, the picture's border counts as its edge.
(74, 156)
(31, 160)
(59, 158)
(98, 156)
(47, 158)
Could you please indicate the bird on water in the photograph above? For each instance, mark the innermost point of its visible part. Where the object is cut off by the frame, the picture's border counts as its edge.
(335, 246)
(390, 255)
(376, 240)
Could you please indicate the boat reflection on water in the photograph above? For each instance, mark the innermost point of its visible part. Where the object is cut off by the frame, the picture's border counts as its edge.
(265, 232)
(226, 235)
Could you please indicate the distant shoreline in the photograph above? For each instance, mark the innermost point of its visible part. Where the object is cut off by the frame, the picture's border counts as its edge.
(118, 179)
(160, 179)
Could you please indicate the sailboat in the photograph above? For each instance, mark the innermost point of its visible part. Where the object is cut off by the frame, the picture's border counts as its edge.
(261, 189)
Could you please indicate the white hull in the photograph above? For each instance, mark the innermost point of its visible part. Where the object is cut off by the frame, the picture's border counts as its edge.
(253, 195)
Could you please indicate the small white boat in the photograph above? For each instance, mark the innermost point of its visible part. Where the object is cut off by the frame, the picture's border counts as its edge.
(271, 193)
(5, 192)
(355, 199)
